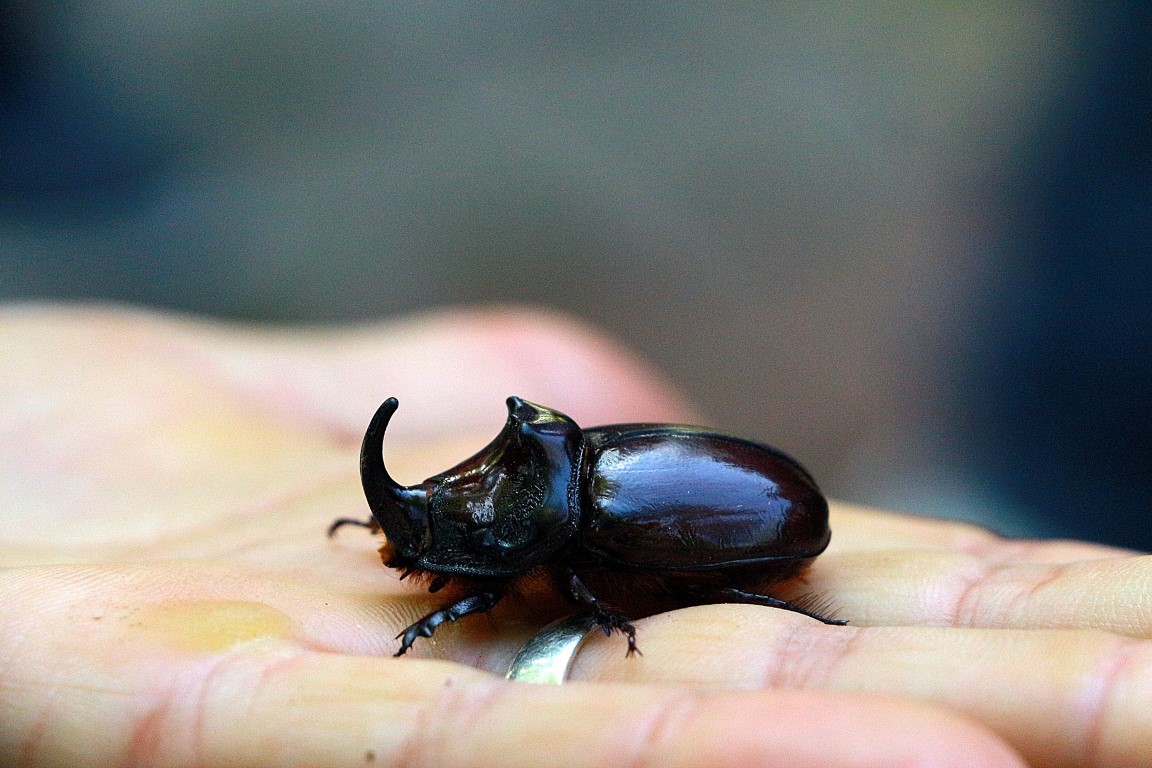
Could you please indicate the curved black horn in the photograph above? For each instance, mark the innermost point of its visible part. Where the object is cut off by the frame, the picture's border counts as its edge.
(400, 511)
(379, 486)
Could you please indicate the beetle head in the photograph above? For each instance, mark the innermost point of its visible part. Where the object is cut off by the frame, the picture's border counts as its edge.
(499, 513)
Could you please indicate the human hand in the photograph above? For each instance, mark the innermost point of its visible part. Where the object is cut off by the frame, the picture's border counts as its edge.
(170, 597)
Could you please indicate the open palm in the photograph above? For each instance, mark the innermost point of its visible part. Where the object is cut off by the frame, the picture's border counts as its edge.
(170, 598)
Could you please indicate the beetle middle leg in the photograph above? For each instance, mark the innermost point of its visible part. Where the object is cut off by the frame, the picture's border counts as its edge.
(606, 618)
(733, 595)
(480, 602)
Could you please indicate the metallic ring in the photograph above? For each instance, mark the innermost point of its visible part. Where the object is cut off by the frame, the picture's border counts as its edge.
(548, 656)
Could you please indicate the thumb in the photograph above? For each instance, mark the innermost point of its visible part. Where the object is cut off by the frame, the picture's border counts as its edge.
(455, 368)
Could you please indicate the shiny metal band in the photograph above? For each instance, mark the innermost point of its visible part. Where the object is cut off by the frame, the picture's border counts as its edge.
(547, 657)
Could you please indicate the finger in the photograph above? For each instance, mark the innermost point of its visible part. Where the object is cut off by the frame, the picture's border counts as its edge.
(317, 710)
(1062, 698)
(857, 528)
(956, 589)
(264, 706)
(270, 705)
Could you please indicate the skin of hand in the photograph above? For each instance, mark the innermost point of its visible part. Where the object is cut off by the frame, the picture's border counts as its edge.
(169, 596)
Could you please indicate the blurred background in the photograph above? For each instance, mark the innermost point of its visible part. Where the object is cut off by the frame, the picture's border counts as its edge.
(910, 243)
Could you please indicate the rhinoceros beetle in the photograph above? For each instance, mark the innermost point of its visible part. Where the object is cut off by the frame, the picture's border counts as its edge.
(625, 518)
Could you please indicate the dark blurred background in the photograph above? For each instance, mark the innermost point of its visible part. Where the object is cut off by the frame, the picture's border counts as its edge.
(909, 243)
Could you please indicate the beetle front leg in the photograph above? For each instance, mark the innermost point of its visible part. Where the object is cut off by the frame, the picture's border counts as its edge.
(480, 602)
(606, 618)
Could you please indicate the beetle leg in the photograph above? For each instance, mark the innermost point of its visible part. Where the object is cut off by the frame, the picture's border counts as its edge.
(370, 524)
(733, 595)
(606, 618)
(481, 602)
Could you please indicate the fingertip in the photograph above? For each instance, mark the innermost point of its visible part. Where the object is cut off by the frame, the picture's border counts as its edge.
(817, 728)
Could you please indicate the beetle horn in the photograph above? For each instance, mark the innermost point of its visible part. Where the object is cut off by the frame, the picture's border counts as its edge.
(402, 512)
